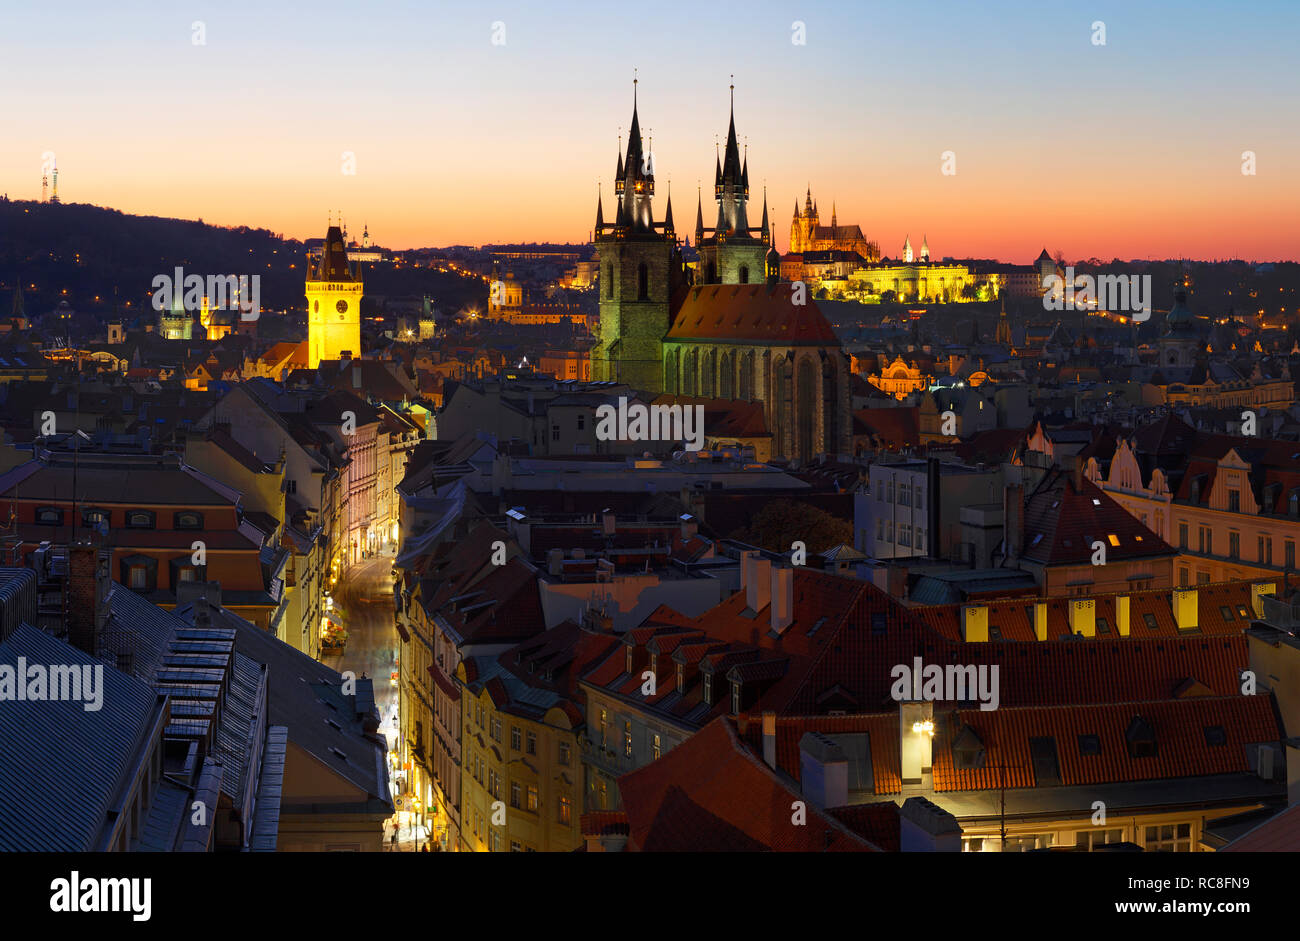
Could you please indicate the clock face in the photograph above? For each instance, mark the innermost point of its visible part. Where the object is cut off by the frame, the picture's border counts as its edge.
(341, 306)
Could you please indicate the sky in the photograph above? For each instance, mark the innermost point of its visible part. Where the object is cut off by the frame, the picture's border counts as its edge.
(1131, 149)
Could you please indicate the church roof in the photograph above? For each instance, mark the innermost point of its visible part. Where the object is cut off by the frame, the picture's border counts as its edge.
(762, 313)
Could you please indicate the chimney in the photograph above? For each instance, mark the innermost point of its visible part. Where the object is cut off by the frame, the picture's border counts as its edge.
(1040, 620)
(1077, 474)
(1185, 608)
(555, 561)
(782, 598)
(690, 526)
(1122, 615)
(758, 583)
(86, 595)
(769, 739)
(356, 377)
(607, 523)
(926, 827)
(823, 771)
(975, 623)
(1083, 616)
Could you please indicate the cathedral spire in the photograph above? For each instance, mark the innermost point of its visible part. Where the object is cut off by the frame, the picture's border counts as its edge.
(699, 217)
(833, 223)
(668, 213)
(600, 210)
(765, 228)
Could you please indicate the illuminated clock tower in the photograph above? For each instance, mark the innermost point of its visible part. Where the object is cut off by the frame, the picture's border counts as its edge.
(333, 302)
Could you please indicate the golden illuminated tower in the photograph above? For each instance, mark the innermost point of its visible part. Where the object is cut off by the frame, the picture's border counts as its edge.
(333, 302)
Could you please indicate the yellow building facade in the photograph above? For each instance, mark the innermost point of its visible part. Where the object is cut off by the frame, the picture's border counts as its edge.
(520, 777)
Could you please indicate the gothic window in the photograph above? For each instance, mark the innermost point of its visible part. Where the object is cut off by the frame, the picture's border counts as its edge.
(747, 376)
(609, 280)
(726, 376)
(707, 374)
(830, 406)
(744, 274)
(806, 409)
(671, 361)
(713, 274)
(642, 283)
(688, 373)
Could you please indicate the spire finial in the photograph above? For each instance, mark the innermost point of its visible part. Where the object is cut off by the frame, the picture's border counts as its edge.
(634, 81)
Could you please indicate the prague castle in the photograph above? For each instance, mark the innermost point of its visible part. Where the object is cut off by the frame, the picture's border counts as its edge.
(807, 234)
(727, 330)
(333, 302)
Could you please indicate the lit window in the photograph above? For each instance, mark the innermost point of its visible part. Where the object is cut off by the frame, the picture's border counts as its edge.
(1114, 540)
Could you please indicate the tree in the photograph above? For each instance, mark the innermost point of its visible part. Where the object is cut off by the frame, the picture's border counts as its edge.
(783, 522)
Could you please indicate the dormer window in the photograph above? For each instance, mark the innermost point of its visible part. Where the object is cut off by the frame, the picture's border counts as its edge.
(735, 697)
(1141, 738)
(708, 689)
(140, 519)
(681, 678)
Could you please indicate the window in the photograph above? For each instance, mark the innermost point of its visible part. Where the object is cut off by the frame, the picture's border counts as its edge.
(919, 500)
(1290, 554)
(1088, 840)
(1089, 745)
(564, 753)
(1102, 626)
(92, 516)
(1150, 620)
(515, 791)
(627, 739)
(566, 811)
(1215, 735)
(496, 730)
(1047, 770)
(514, 737)
(190, 519)
(904, 495)
(532, 743)
(735, 698)
(681, 678)
(603, 791)
(555, 432)
(1226, 612)
(1024, 842)
(139, 577)
(904, 535)
(1234, 501)
(532, 798)
(708, 689)
(920, 539)
(654, 746)
(627, 661)
(140, 519)
(1182, 578)
(515, 847)
(582, 421)
(49, 516)
(1234, 545)
(1169, 838)
(604, 721)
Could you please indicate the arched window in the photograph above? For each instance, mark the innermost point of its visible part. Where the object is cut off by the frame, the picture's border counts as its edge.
(830, 407)
(713, 274)
(726, 376)
(671, 360)
(806, 410)
(744, 274)
(642, 282)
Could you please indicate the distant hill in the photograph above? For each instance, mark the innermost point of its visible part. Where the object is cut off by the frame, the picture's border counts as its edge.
(104, 258)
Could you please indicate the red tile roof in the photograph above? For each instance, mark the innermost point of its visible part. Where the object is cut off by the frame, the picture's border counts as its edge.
(754, 312)
(711, 794)
(1063, 521)
(1278, 834)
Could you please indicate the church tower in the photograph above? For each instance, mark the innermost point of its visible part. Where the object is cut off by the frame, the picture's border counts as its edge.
(732, 253)
(640, 268)
(333, 302)
(1004, 325)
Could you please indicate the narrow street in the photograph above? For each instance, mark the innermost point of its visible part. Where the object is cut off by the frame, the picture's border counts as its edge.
(365, 594)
